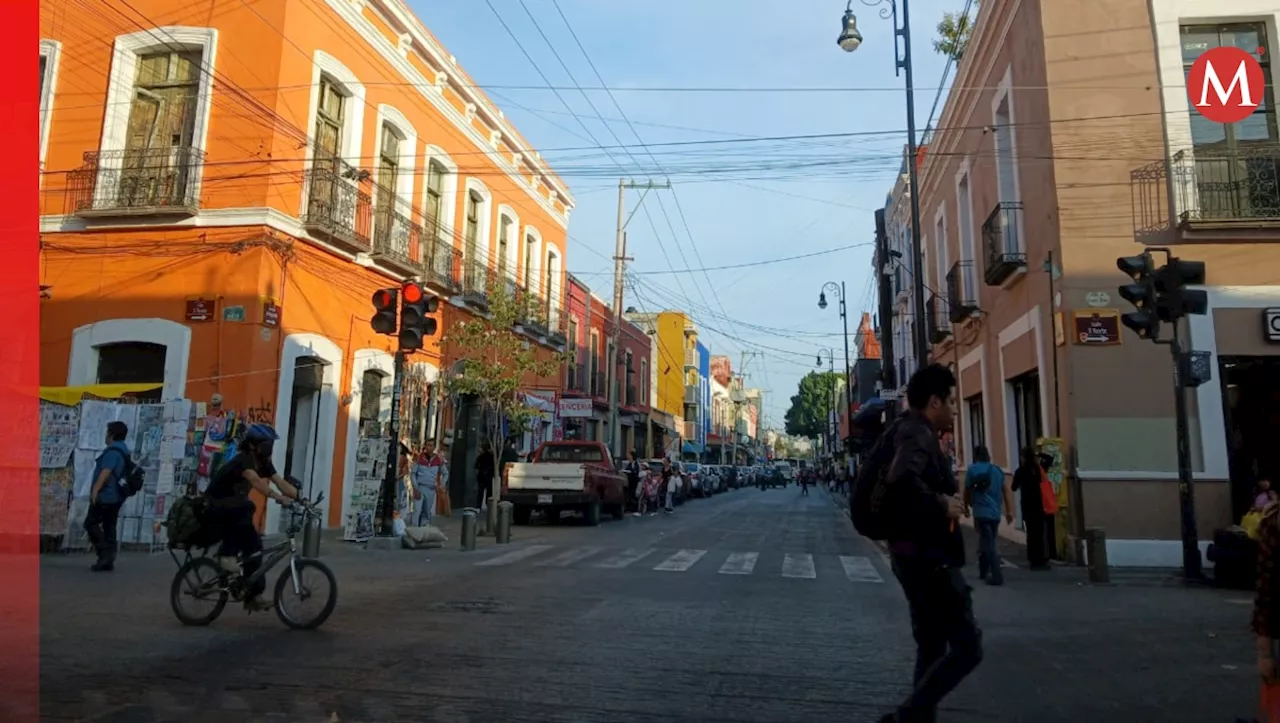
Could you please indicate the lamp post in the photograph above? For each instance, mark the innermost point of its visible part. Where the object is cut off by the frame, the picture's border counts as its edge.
(838, 290)
(826, 425)
(849, 41)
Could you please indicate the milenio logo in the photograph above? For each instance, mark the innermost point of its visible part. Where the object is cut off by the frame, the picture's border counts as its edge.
(1226, 84)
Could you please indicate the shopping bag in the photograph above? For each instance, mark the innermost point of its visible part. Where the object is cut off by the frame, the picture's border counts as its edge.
(1048, 496)
(1251, 523)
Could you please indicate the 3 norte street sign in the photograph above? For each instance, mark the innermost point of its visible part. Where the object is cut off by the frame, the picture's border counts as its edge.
(1226, 84)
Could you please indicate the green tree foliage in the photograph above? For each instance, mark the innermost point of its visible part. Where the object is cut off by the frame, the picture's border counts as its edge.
(954, 31)
(810, 406)
(497, 361)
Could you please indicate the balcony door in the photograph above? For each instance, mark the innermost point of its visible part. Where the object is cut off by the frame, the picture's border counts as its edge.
(157, 157)
(1237, 165)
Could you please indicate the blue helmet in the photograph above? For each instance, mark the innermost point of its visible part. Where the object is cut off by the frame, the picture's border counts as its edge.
(260, 433)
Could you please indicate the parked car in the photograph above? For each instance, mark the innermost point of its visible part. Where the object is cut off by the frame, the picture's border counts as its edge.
(698, 486)
(568, 475)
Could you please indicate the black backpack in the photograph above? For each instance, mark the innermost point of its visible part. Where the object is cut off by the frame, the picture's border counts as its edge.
(132, 479)
(868, 498)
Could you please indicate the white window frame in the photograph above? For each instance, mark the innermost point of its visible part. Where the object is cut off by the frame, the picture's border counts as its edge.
(553, 294)
(389, 115)
(1004, 95)
(533, 275)
(448, 190)
(120, 90)
(513, 241)
(346, 82)
(644, 381)
(943, 259)
(51, 51)
(483, 223)
(965, 240)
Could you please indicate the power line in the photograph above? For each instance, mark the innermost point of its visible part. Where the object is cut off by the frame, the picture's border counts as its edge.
(752, 264)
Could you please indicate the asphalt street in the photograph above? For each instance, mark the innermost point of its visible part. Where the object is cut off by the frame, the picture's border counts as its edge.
(751, 607)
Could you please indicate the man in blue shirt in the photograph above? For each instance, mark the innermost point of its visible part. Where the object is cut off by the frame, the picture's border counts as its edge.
(987, 494)
(107, 496)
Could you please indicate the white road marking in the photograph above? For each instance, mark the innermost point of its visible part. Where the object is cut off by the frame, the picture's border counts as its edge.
(681, 561)
(625, 558)
(740, 563)
(798, 565)
(1006, 563)
(859, 569)
(515, 556)
(569, 557)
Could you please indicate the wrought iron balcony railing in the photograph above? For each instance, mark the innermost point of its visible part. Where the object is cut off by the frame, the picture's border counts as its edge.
(557, 325)
(937, 319)
(1232, 186)
(1001, 240)
(475, 281)
(962, 291)
(397, 239)
(137, 182)
(444, 265)
(337, 209)
(577, 380)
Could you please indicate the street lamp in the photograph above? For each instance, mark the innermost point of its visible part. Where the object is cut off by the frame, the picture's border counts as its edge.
(826, 425)
(838, 290)
(850, 39)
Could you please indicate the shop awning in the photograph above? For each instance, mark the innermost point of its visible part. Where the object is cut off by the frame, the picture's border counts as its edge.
(692, 448)
(540, 404)
(71, 396)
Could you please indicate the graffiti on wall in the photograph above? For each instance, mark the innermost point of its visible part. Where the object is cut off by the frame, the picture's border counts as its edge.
(261, 413)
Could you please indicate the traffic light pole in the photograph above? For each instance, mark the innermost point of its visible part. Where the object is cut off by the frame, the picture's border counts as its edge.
(1191, 564)
(387, 500)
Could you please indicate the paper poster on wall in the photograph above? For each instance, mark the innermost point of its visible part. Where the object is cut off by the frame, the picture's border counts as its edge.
(84, 462)
(59, 434)
(370, 462)
(56, 486)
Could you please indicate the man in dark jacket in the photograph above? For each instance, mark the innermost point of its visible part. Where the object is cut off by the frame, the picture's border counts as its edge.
(927, 549)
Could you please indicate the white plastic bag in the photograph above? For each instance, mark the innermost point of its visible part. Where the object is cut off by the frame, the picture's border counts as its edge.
(398, 527)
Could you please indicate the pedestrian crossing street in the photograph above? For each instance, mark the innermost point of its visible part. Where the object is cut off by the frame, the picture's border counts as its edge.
(796, 565)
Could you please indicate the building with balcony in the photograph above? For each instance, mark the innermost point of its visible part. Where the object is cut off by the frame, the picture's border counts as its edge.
(675, 363)
(1023, 221)
(900, 277)
(226, 237)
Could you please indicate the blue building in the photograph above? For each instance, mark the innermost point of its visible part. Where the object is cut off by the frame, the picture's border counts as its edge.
(704, 395)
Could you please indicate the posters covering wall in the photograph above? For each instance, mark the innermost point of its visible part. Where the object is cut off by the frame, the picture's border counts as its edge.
(161, 438)
(371, 465)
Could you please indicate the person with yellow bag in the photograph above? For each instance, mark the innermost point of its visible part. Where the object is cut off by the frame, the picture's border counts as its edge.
(1263, 497)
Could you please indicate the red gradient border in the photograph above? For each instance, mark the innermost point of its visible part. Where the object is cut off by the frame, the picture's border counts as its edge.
(19, 367)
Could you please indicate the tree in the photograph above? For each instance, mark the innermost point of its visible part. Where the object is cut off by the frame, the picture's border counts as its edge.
(954, 31)
(810, 406)
(497, 361)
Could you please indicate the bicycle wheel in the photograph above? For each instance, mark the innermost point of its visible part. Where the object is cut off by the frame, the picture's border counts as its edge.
(312, 575)
(198, 580)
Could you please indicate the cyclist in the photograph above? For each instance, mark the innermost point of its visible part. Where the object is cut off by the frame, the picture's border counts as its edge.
(232, 511)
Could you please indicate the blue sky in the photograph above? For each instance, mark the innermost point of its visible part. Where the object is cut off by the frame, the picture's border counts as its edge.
(744, 201)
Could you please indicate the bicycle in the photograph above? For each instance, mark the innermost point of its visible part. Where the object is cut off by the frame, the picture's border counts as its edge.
(214, 583)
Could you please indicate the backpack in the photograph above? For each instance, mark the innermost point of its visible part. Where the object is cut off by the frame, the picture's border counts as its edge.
(184, 523)
(984, 484)
(132, 479)
(868, 503)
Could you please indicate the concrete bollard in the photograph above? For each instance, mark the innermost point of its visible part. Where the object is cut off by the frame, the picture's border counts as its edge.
(1095, 543)
(503, 533)
(311, 537)
(469, 529)
(490, 516)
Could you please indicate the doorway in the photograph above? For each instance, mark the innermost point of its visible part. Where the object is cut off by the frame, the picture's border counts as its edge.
(1251, 397)
(304, 424)
(133, 362)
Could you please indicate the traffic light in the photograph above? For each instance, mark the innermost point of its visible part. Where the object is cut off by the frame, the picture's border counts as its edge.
(384, 311)
(1142, 294)
(1175, 300)
(416, 324)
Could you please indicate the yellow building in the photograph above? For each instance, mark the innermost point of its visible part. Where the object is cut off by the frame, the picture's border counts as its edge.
(675, 370)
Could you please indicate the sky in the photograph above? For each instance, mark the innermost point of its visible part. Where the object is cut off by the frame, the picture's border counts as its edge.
(711, 95)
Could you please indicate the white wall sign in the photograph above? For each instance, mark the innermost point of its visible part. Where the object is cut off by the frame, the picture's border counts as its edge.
(1097, 299)
(572, 407)
(1271, 320)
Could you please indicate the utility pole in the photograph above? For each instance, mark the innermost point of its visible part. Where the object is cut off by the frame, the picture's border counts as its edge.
(887, 368)
(619, 270)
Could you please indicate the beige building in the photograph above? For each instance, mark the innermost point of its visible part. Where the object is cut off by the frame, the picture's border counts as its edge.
(1067, 142)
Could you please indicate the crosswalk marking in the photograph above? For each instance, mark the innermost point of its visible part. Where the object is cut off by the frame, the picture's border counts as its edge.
(681, 561)
(515, 556)
(859, 569)
(798, 565)
(569, 557)
(625, 558)
(740, 563)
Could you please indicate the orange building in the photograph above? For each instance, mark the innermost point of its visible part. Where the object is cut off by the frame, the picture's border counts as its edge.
(224, 190)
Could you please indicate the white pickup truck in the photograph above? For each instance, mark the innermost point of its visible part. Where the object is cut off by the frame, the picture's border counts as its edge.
(566, 476)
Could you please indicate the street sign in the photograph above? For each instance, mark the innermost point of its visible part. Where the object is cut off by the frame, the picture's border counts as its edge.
(1098, 327)
(1097, 299)
(1271, 323)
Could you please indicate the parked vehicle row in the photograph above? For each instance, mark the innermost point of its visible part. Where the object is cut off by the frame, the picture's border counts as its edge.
(583, 477)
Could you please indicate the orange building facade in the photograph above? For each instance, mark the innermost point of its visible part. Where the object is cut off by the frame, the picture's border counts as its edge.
(222, 193)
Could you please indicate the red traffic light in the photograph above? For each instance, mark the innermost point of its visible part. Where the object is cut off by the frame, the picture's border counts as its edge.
(384, 299)
(411, 293)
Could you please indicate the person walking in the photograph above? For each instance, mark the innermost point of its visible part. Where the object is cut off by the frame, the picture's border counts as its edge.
(633, 481)
(926, 549)
(804, 485)
(988, 495)
(670, 478)
(1026, 479)
(485, 466)
(428, 470)
(106, 497)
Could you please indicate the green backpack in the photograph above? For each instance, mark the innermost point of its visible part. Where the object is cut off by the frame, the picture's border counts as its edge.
(184, 522)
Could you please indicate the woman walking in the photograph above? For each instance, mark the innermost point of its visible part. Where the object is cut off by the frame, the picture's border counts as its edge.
(1026, 479)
